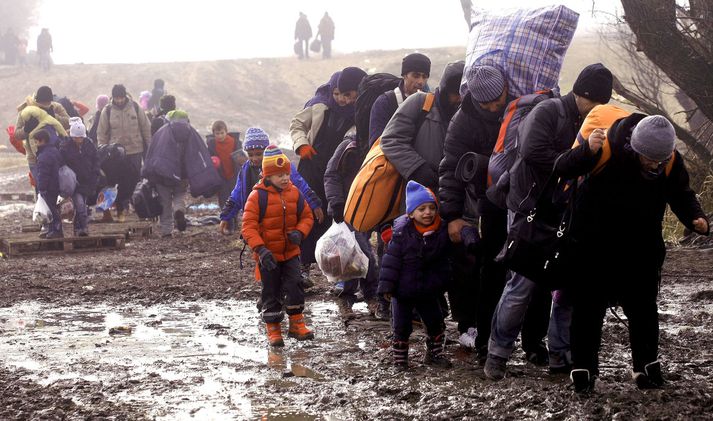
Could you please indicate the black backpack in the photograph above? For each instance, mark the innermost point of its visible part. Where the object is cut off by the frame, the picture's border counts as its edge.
(146, 201)
(68, 106)
(370, 88)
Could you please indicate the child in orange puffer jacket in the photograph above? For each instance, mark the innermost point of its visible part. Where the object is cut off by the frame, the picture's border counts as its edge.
(275, 220)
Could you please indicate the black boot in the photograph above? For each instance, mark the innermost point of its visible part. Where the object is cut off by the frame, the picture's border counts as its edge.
(582, 381)
(434, 351)
(400, 351)
(651, 378)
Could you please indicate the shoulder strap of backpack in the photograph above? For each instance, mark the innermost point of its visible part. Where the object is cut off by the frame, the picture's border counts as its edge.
(262, 204)
(107, 108)
(300, 204)
(425, 109)
(398, 95)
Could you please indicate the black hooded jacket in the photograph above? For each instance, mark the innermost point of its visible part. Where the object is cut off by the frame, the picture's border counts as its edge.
(540, 145)
(471, 129)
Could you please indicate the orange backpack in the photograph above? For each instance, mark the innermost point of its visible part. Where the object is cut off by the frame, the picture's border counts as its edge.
(377, 191)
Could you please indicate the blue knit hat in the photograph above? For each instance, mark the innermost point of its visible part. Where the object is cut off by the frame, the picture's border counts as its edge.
(255, 138)
(417, 195)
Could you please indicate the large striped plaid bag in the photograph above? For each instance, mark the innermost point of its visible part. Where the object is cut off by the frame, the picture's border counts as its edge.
(527, 44)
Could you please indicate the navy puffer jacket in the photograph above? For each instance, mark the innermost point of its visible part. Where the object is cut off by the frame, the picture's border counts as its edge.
(84, 162)
(415, 266)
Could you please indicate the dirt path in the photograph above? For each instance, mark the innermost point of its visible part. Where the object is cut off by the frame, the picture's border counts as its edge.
(197, 348)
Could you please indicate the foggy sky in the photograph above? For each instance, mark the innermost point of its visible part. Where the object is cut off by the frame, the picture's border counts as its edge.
(132, 31)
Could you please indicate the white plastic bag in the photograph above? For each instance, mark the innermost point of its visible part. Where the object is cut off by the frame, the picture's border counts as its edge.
(42, 213)
(339, 256)
(67, 181)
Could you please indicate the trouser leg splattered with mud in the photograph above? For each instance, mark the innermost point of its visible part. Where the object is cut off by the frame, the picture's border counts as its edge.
(284, 280)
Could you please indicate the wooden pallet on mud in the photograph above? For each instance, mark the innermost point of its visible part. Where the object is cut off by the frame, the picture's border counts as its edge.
(18, 197)
(26, 247)
(130, 231)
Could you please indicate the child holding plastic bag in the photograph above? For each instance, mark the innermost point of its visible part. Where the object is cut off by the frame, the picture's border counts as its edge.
(414, 272)
(275, 220)
(48, 162)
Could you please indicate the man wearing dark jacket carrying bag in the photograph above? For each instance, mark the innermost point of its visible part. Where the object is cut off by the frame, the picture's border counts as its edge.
(619, 210)
(548, 130)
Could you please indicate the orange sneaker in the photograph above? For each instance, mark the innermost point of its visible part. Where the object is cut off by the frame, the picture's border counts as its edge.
(274, 334)
(298, 330)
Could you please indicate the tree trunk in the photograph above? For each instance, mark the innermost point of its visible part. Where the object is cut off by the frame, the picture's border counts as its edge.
(654, 24)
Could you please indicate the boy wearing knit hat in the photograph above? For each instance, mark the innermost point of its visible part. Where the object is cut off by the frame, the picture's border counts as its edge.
(415, 71)
(348, 83)
(256, 141)
(625, 199)
(80, 154)
(415, 271)
(275, 221)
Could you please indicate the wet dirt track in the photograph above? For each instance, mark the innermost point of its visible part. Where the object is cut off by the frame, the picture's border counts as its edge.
(197, 350)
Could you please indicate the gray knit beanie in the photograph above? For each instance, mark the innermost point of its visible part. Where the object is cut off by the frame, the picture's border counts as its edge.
(485, 83)
(654, 138)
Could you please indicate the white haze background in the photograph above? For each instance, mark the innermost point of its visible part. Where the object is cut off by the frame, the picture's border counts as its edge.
(136, 31)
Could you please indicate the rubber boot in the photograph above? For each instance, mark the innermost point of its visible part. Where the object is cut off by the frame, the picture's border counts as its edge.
(400, 351)
(298, 330)
(434, 351)
(274, 334)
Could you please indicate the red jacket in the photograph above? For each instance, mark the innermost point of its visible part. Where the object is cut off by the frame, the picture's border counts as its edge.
(280, 218)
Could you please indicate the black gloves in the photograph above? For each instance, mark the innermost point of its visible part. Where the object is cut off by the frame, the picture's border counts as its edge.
(338, 213)
(267, 260)
(471, 238)
(425, 176)
(30, 125)
(227, 209)
(295, 237)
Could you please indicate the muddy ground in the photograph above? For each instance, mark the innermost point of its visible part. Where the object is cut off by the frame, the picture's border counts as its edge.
(168, 329)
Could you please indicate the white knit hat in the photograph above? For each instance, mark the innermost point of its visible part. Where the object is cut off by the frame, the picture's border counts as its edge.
(77, 128)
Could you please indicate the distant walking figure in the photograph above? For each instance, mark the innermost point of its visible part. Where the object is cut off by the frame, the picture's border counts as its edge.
(44, 48)
(326, 35)
(303, 33)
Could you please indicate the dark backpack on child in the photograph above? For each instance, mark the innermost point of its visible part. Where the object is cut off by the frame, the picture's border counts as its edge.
(146, 201)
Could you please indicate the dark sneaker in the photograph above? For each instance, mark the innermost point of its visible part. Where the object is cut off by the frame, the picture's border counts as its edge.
(383, 312)
(180, 219)
(306, 282)
(539, 356)
(582, 381)
(651, 378)
(495, 367)
(345, 308)
(436, 360)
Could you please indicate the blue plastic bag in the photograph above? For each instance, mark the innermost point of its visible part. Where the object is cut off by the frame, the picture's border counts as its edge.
(106, 198)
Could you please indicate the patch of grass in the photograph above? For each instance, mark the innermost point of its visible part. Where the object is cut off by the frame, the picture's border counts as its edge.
(673, 230)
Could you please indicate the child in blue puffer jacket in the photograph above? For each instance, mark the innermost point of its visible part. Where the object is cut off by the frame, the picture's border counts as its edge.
(256, 141)
(415, 271)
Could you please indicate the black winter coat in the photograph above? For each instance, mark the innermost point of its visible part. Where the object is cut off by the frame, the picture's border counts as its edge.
(415, 266)
(618, 211)
(84, 162)
(471, 129)
(48, 162)
(342, 168)
(540, 145)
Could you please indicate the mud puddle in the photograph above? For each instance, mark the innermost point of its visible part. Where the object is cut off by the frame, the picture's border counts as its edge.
(200, 360)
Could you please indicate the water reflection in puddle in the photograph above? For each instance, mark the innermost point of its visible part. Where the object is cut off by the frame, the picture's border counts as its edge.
(204, 360)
